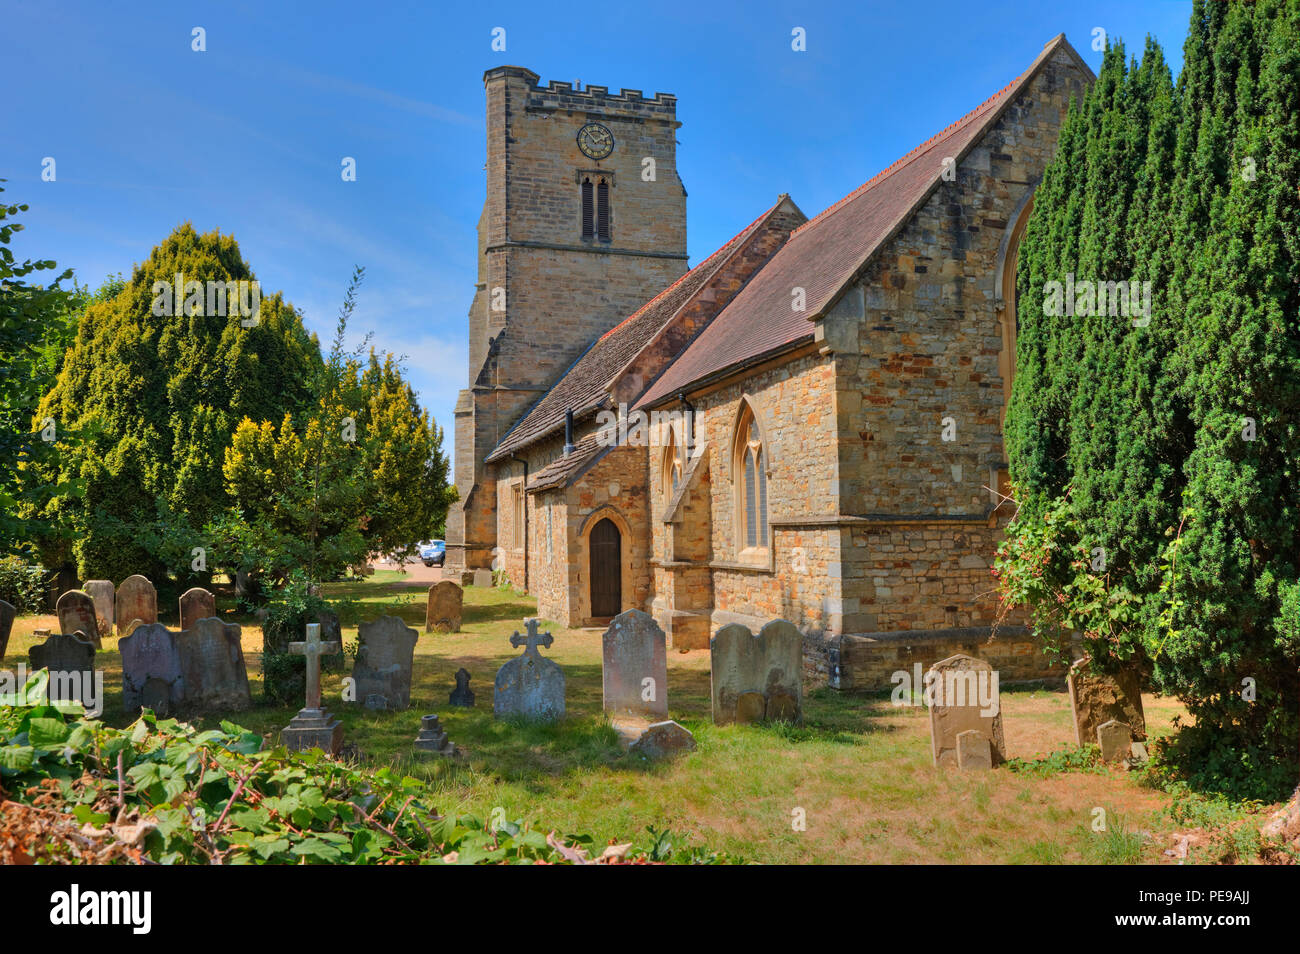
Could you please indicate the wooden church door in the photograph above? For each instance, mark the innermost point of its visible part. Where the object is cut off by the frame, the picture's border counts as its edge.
(606, 570)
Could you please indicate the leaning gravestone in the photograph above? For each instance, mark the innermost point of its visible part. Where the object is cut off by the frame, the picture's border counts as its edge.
(962, 693)
(136, 600)
(70, 661)
(196, 603)
(76, 612)
(482, 577)
(385, 658)
(634, 670)
(212, 664)
(152, 672)
(1097, 698)
(757, 677)
(7, 616)
(462, 695)
(105, 596)
(529, 686)
(442, 612)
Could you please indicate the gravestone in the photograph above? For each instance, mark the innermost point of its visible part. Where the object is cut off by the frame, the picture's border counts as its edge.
(196, 603)
(1115, 739)
(7, 616)
(313, 727)
(974, 750)
(462, 695)
(432, 738)
(962, 693)
(482, 577)
(212, 665)
(105, 596)
(442, 613)
(385, 658)
(152, 674)
(634, 667)
(662, 740)
(757, 678)
(71, 663)
(76, 612)
(1096, 698)
(529, 686)
(136, 600)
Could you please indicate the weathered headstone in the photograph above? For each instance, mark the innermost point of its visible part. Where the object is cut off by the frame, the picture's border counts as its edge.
(432, 738)
(1100, 697)
(196, 603)
(136, 600)
(1115, 739)
(661, 740)
(529, 686)
(385, 658)
(76, 612)
(483, 578)
(71, 663)
(212, 663)
(7, 616)
(105, 596)
(634, 670)
(462, 695)
(442, 611)
(313, 727)
(963, 696)
(152, 675)
(757, 677)
(974, 750)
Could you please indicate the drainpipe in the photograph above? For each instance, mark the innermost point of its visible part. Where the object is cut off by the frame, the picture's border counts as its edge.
(568, 433)
(690, 423)
(524, 496)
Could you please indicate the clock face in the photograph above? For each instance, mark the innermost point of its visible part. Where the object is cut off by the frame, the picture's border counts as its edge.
(595, 141)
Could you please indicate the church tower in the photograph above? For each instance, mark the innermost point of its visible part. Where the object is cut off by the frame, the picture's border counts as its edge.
(584, 221)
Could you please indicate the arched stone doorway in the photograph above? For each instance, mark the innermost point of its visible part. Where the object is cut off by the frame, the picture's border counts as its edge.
(605, 546)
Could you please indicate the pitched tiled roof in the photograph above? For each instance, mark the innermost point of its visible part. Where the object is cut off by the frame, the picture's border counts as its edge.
(563, 469)
(824, 254)
(585, 386)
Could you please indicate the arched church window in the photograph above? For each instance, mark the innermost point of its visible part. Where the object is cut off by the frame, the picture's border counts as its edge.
(750, 484)
(672, 471)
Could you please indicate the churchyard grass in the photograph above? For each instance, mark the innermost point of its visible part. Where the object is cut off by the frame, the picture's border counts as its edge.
(859, 770)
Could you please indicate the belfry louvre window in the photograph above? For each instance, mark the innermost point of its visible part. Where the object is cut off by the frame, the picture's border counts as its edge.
(588, 216)
(602, 211)
(595, 209)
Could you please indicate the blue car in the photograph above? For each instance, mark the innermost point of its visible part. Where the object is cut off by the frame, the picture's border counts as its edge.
(433, 552)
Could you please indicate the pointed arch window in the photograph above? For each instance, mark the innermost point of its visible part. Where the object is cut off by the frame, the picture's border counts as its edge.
(750, 486)
(672, 464)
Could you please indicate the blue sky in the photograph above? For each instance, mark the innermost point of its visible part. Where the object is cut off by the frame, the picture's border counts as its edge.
(248, 136)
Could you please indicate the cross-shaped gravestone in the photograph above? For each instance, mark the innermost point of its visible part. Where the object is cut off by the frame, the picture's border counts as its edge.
(533, 639)
(313, 649)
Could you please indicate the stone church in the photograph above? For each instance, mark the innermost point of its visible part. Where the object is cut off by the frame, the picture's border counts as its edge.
(806, 425)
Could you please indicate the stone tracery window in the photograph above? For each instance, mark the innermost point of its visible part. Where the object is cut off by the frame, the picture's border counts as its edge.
(749, 480)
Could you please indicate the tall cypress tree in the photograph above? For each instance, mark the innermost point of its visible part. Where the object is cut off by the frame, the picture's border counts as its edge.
(1172, 448)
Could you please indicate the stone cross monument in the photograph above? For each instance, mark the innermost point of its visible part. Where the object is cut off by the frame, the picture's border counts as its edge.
(313, 727)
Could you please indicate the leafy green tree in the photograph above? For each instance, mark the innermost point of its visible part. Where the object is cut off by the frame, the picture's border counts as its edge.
(156, 387)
